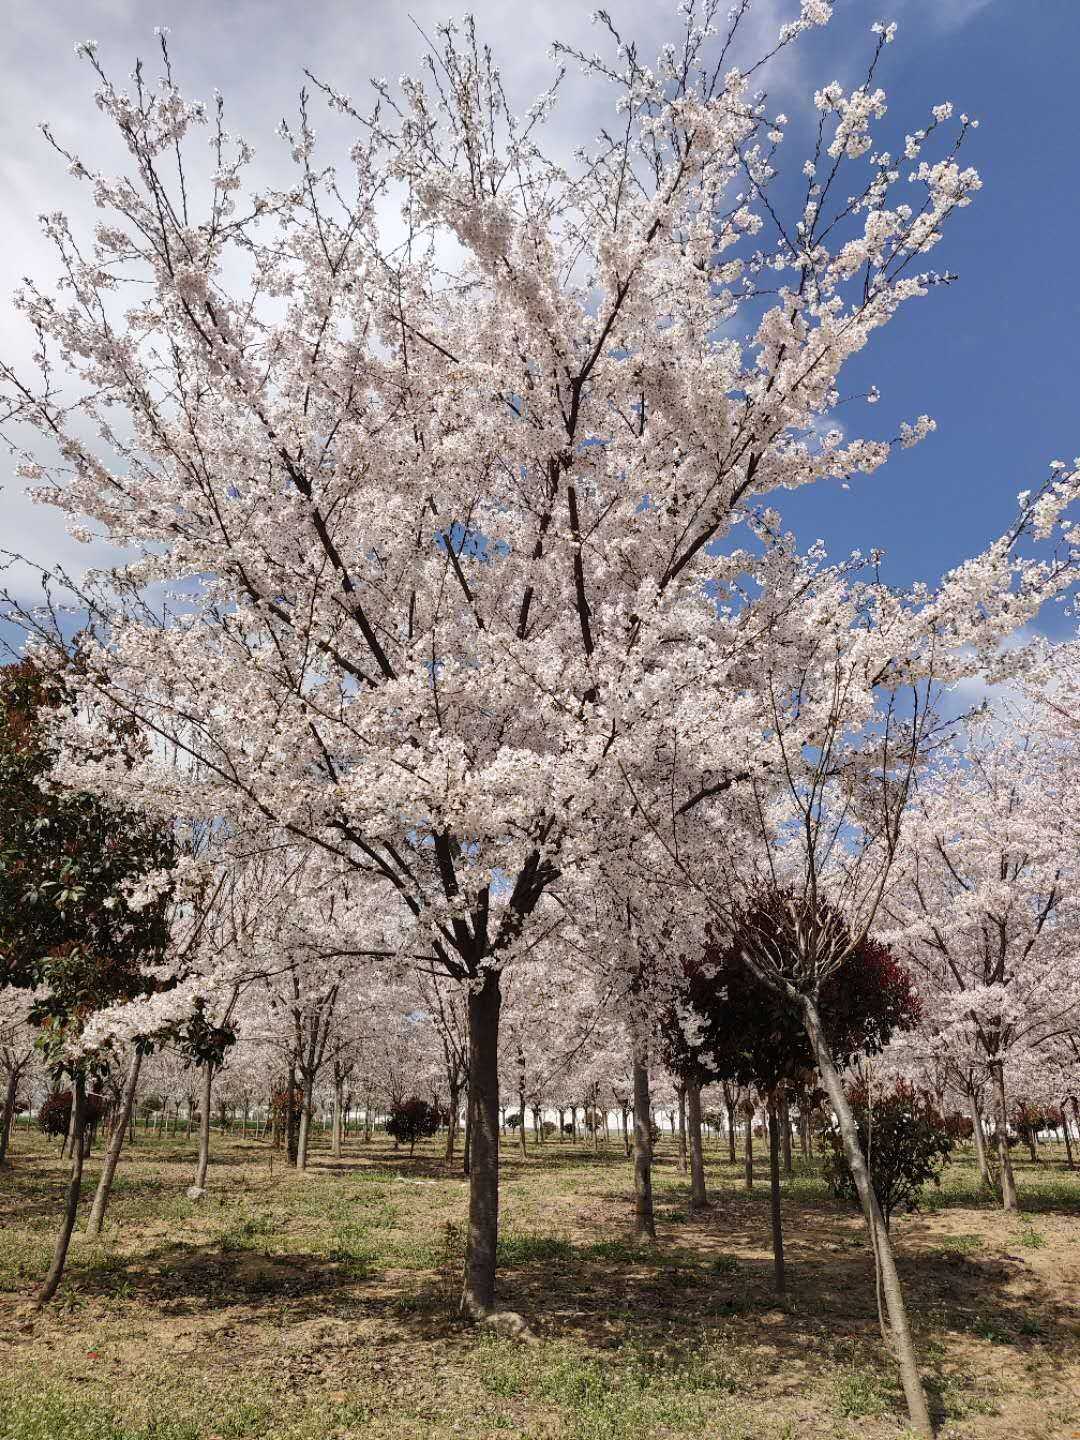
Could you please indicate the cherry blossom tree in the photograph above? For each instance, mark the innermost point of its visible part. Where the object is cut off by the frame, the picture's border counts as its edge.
(454, 537)
(987, 901)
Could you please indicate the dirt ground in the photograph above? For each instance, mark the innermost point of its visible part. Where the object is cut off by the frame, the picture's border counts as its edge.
(323, 1305)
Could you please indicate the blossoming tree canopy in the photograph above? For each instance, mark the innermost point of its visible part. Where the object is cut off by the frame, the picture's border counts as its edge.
(985, 900)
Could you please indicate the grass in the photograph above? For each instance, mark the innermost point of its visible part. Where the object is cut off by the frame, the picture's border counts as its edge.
(323, 1307)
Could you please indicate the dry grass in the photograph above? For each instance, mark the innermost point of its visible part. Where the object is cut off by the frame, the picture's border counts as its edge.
(317, 1306)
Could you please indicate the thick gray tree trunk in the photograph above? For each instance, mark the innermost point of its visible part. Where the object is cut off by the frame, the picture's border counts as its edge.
(485, 1004)
(698, 1197)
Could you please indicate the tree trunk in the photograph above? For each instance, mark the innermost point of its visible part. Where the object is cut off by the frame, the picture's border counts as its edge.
(879, 1235)
(683, 1158)
(626, 1131)
(1008, 1179)
(785, 1132)
(204, 1128)
(698, 1198)
(335, 1134)
(112, 1154)
(1068, 1138)
(66, 1148)
(521, 1123)
(466, 1144)
(305, 1121)
(292, 1118)
(979, 1137)
(71, 1203)
(775, 1125)
(748, 1150)
(644, 1224)
(451, 1129)
(9, 1111)
(732, 1157)
(478, 1293)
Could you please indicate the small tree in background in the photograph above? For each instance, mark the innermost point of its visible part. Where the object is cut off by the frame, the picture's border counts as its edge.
(412, 1120)
(905, 1140)
(751, 1035)
(68, 927)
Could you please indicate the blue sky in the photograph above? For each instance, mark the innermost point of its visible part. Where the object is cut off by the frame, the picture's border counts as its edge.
(993, 358)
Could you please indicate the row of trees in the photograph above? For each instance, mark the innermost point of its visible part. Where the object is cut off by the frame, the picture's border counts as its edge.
(463, 650)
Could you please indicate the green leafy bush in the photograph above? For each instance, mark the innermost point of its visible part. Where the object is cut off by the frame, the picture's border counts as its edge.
(905, 1139)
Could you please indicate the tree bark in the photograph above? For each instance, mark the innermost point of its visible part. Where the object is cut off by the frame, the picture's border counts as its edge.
(775, 1124)
(9, 1111)
(644, 1223)
(683, 1155)
(785, 1132)
(478, 1292)
(305, 1113)
(335, 1132)
(1068, 1138)
(979, 1137)
(875, 1224)
(1008, 1179)
(204, 1128)
(292, 1118)
(71, 1204)
(452, 1127)
(66, 1148)
(466, 1143)
(732, 1157)
(698, 1198)
(116, 1141)
(748, 1150)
